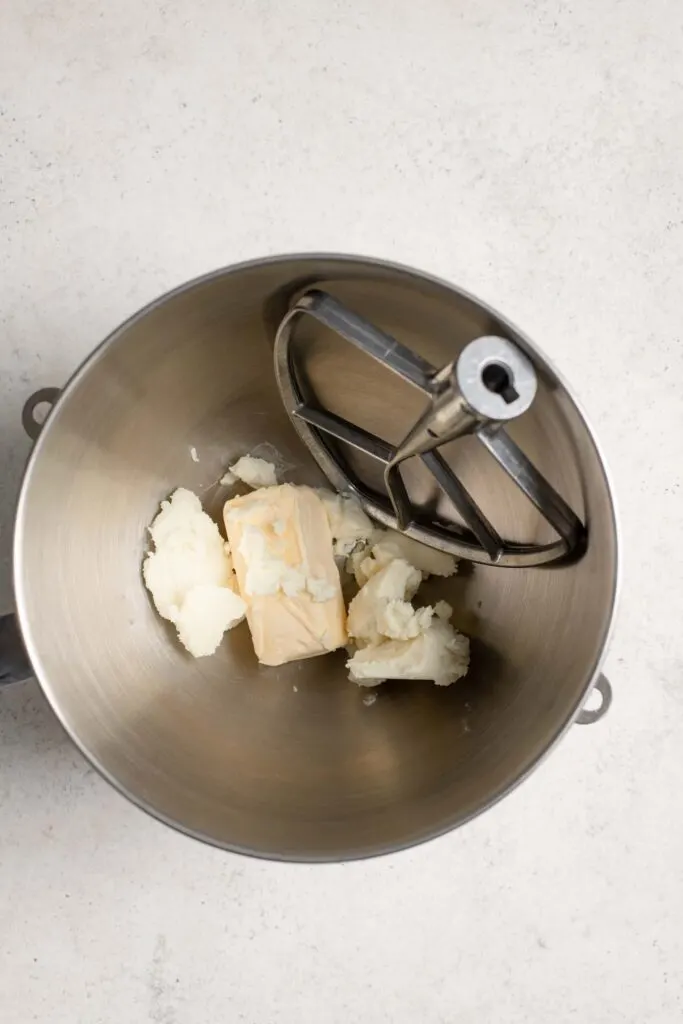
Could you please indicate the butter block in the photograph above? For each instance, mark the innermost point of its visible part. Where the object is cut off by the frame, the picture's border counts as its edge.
(282, 554)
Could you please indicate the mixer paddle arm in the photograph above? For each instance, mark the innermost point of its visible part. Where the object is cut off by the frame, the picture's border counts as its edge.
(490, 383)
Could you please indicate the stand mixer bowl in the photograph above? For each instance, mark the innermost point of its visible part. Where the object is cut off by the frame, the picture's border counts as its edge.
(292, 762)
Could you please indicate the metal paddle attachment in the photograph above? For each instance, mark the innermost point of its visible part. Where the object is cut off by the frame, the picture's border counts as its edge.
(490, 383)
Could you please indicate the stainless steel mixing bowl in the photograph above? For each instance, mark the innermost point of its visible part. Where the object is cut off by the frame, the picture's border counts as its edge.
(291, 762)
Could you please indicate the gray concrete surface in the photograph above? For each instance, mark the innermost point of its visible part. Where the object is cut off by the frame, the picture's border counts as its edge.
(530, 152)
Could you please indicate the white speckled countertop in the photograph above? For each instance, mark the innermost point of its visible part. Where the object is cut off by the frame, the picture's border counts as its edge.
(530, 152)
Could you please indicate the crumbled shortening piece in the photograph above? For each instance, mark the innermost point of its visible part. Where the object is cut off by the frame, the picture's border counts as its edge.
(282, 547)
(205, 614)
(398, 620)
(396, 640)
(349, 524)
(189, 574)
(385, 545)
(193, 454)
(382, 607)
(440, 654)
(228, 479)
(253, 472)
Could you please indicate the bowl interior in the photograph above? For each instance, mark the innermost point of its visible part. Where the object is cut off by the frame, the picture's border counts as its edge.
(292, 762)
